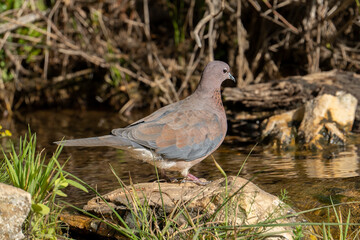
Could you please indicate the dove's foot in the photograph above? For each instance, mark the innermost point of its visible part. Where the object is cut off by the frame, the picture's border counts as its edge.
(192, 178)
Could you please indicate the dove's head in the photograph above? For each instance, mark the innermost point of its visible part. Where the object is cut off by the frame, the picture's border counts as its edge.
(213, 75)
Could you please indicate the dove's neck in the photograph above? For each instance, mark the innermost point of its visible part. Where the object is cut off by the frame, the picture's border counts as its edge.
(216, 98)
(210, 94)
(206, 89)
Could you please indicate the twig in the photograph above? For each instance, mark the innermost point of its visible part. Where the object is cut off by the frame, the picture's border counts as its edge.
(344, 5)
(72, 75)
(3, 40)
(211, 28)
(192, 64)
(126, 106)
(202, 22)
(13, 24)
(102, 25)
(19, 67)
(59, 36)
(317, 50)
(134, 23)
(91, 58)
(166, 75)
(243, 45)
(290, 26)
(24, 6)
(48, 42)
(81, 17)
(239, 32)
(255, 5)
(190, 15)
(147, 32)
(35, 40)
(132, 74)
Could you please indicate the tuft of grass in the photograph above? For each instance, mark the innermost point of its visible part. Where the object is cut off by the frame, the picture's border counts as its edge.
(341, 228)
(44, 179)
(3, 175)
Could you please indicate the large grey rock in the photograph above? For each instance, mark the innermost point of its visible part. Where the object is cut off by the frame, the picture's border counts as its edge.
(15, 205)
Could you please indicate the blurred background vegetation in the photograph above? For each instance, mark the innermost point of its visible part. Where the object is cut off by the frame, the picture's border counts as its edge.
(128, 54)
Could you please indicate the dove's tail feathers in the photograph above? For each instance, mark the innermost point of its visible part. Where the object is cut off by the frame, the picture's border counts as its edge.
(107, 140)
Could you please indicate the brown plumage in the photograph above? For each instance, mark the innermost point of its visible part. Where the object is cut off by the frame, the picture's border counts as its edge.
(179, 135)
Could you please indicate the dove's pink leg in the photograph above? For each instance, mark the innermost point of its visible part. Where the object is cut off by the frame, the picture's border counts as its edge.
(192, 178)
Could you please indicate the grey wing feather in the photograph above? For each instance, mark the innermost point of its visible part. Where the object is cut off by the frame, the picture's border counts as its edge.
(107, 140)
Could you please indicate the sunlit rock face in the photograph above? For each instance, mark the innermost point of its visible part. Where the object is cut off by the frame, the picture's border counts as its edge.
(15, 205)
(325, 120)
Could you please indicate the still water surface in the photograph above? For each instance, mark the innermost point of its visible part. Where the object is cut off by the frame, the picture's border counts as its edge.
(306, 176)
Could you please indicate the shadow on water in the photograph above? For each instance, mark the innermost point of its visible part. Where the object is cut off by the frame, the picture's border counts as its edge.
(309, 177)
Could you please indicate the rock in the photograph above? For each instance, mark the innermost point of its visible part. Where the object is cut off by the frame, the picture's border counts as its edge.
(280, 127)
(15, 205)
(249, 204)
(322, 121)
(319, 112)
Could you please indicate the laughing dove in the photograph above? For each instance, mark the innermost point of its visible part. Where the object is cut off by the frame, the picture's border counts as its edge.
(179, 135)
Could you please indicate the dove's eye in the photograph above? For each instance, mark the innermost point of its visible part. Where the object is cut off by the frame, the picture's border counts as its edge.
(225, 70)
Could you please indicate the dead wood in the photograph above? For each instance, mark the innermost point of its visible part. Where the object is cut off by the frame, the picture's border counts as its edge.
(292, 92)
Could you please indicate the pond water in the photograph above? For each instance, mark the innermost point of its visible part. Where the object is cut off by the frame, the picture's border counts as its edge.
(310, 178)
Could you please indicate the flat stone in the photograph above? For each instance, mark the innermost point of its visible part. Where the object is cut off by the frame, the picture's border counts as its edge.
(249, 205)
(15, 205)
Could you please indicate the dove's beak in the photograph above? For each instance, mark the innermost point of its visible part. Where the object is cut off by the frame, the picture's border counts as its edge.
(232, 77)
